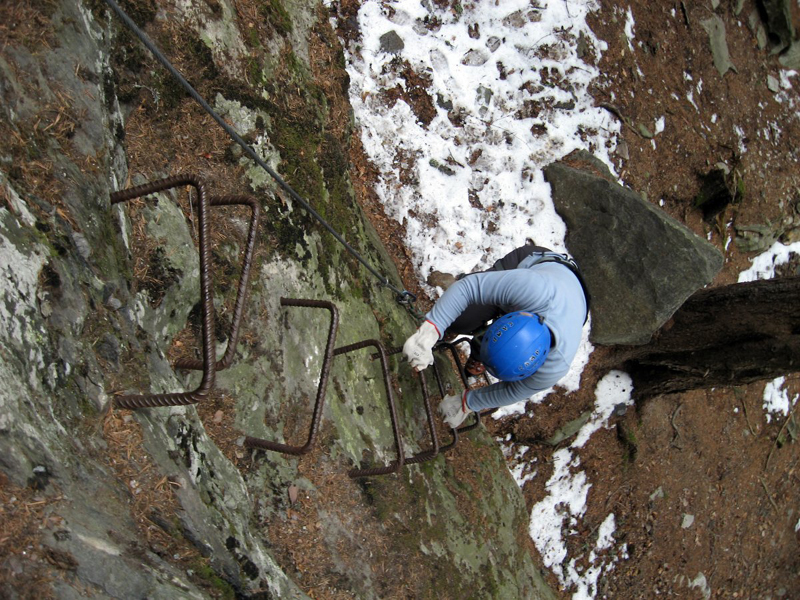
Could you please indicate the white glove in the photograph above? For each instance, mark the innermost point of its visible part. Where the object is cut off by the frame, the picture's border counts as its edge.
(454, 409)
(418, 348)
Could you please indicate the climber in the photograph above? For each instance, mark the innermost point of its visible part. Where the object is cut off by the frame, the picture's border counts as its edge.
(537, 303)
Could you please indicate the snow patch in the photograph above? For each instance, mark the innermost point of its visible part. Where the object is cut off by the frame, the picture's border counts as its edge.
(776, 399)
(763, 265)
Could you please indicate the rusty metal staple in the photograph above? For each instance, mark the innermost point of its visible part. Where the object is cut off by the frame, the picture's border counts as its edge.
(206, 296)
(253, 442)
(241, 294)
(209, 365)
(443, 392)
(382, 354)
(452, 348)
(395, 466)
(436, 449)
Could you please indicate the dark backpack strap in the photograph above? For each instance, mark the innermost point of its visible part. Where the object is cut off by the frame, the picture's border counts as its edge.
(569, 262)
(513, 258)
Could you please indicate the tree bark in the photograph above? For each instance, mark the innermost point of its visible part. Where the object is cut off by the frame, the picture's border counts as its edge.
(723, 336)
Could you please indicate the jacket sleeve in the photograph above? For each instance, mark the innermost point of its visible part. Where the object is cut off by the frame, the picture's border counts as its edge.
(504, 393)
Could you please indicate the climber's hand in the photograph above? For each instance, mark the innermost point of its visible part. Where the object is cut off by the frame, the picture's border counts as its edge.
(418, 349)
(454, 409)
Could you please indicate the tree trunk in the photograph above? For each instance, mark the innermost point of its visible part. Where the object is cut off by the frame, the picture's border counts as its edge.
(724, 336)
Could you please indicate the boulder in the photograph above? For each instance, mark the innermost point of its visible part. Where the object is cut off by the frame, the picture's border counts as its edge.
(639, 263)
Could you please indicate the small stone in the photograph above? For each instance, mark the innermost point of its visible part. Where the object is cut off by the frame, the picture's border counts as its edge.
(582, 49)
(218, 416)
(108, 348)
(97, 395)
(773, 85)
(715, 27)
(391, 42)
(688, 521)
(82, 244)
(442, 280)
(114, 303)
(6, 421)
(565, 105)
(475, 58)
(791, 58)
(493, 43)
(484, 95)
(443, 102)
(622, 150)
(761, 38)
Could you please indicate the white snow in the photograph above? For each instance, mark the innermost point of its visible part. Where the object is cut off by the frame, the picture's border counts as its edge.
(776, 399)
(558, 514)
(764, 264)
(629, 26)
(612, 391)
(566, 499)
(741, 135)
(496, 197)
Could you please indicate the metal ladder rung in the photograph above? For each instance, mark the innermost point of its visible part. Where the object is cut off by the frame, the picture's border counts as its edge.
(263, 444)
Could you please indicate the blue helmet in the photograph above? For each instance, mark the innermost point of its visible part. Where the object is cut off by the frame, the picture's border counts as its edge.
(515, 346)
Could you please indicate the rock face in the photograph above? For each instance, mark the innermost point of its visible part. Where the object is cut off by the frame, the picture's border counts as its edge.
(167, 502)
(779, 21)
(640, 264)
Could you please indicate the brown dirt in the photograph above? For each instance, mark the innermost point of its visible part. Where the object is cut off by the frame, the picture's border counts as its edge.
(711, 452)
(24, 513)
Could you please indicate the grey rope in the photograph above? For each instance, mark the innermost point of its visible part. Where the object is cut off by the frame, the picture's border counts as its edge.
(403, 296)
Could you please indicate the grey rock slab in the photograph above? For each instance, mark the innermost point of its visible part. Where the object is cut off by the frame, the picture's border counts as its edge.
(639, 263)
(791, 58)
(715, 27)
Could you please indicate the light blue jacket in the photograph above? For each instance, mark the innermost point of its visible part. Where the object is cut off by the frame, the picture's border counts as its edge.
(549, 290)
